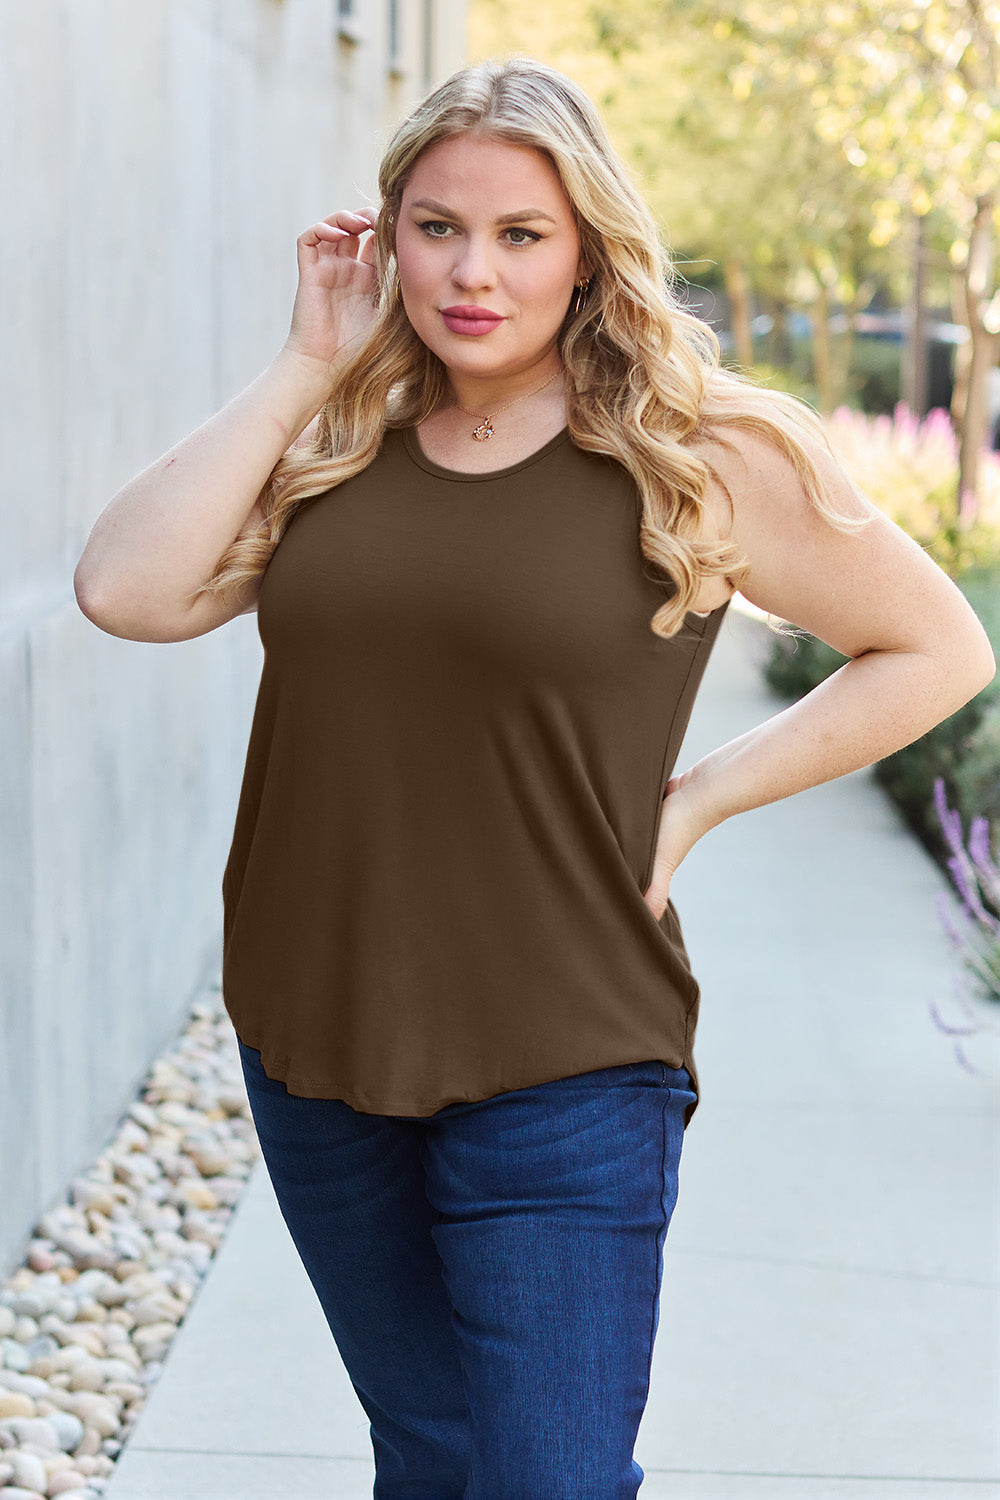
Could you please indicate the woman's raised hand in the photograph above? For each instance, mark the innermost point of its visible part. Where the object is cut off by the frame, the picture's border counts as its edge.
(335, 302)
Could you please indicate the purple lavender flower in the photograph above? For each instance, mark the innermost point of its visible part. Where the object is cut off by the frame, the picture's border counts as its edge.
(956, 938)
(949, 1030)
(986, 867)
(956, 1032)
(951, 822)
(974, 875)
(968, 889)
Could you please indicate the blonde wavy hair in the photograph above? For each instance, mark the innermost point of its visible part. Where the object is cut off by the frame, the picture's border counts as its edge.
(643, 375)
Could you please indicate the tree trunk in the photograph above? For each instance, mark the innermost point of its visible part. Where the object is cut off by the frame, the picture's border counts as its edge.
(822, 351)
(963, 355)
(916, 364)
(738, 290)
(975, 424)
(844, 347)
(985, 346)
(779, 342)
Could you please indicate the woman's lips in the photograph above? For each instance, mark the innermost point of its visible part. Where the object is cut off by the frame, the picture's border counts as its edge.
(465, 323)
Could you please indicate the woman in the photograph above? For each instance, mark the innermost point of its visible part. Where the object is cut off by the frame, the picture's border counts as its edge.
(491, 500)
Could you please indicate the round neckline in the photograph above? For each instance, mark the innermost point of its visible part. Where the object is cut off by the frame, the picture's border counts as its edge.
(412, 444)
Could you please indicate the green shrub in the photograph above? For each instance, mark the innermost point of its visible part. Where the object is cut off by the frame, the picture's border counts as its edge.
(981, 586)
(976, 773)
(975, 935)
(786, 378)
(796, 663)
(874, 375)
(964, 750)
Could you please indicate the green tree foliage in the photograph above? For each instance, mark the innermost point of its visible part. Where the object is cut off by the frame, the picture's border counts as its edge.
(791, 145)
(734, 169)
(909, 90)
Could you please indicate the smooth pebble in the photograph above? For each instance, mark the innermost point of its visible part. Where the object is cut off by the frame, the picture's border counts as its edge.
(29, 1471)
(68, 1429)
(66, 1479)
(16, 1404)
(86, 1321)
(36, 1432)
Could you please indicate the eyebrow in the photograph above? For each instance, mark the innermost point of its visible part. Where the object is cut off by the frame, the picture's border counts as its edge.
(525, 213)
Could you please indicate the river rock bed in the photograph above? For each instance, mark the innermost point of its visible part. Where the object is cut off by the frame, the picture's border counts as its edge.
(86, 1321)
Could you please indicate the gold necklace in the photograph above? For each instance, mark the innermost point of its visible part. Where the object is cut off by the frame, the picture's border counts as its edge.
(485, 428)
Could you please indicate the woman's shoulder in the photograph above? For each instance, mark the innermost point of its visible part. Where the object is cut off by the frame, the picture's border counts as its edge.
(749, 465)
(739, 453)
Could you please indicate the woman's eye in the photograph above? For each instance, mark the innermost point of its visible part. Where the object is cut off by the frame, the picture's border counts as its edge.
(431, 226)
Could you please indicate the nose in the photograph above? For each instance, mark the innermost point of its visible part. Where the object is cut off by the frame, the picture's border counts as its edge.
(473, 266)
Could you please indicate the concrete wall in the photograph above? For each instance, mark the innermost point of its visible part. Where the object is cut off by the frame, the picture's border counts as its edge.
(167, 154)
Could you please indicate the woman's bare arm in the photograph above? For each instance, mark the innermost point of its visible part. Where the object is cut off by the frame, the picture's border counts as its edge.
(163, 533)
(917, 649)
(161, 536)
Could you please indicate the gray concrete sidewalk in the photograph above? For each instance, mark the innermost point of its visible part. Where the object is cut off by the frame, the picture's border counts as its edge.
(828, 1322)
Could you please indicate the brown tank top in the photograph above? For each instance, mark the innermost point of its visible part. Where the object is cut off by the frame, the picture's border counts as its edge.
(462, 734)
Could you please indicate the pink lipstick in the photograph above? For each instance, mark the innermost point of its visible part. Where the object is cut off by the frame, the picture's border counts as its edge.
(468, 319)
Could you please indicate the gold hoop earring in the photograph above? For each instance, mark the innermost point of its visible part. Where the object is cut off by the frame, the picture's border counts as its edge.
(581, 295)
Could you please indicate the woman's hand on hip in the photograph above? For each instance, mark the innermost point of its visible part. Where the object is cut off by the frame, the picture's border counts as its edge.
(683, 821)
(335, 302)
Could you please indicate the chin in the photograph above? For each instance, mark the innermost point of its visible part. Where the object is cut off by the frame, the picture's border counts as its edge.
(463, 355)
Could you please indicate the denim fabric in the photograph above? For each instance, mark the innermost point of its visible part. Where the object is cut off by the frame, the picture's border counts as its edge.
(490, 1273)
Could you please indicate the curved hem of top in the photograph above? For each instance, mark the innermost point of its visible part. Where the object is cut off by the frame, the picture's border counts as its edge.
(412, 445)
(426, 1109)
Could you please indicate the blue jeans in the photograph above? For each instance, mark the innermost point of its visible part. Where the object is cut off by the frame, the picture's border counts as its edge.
(490, 1273)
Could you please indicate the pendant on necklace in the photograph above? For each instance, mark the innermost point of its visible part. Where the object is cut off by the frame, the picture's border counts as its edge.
(483, 431)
